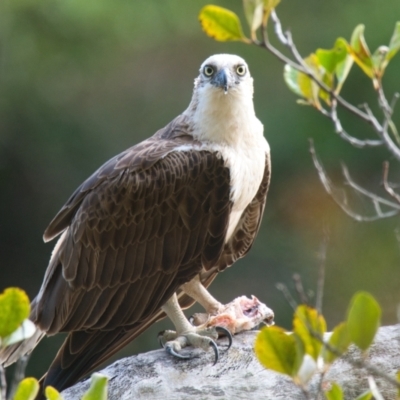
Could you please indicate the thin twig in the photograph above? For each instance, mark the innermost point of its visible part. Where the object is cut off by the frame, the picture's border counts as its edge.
(383, 102)
(278, 28)
(341, 201)
(286, 294)
(18, 374)
(387, 110)
(332, 115)
(365, 192)
(383, 134)
(298, 284)
(386, 184)
(321, 270)
(320, 387)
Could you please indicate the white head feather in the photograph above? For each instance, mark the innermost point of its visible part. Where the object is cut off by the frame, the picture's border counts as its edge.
(222, 108)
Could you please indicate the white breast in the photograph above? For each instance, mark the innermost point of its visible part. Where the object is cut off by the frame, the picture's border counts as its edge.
(246, 167)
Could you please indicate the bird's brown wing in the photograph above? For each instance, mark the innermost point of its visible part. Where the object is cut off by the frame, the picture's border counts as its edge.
(132, 234)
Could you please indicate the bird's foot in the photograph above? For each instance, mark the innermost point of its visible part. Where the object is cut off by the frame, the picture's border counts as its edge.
(201, 337)
(241, 314)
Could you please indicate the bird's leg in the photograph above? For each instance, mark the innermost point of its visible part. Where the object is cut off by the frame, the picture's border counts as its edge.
(186, 334)
(239, 315)
(198, 292)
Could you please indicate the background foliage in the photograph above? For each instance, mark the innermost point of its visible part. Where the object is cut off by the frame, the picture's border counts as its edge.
(82, 81)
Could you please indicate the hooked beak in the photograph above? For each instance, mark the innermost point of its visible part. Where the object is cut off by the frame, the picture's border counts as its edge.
(221, 80)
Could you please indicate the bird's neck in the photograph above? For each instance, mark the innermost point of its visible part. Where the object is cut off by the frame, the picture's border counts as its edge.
(227, 119)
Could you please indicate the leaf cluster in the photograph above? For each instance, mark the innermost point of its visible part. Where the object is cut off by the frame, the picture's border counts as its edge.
(330, 67)
(15, 327)
(308, 350)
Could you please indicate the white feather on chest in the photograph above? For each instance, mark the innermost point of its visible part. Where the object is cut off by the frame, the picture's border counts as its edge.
(227, 124)
(246, 170)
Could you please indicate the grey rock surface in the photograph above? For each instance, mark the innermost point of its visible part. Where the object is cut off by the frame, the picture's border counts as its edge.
(237, 375)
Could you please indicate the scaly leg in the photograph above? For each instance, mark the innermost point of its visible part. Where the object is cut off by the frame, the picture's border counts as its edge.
(186, 334)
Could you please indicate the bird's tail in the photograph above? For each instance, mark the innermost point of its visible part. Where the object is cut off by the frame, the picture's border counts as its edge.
(13, 353)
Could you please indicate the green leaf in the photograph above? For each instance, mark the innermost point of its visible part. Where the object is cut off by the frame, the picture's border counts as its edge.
(306, 322)
(302, 85)
(52, 393)
(253, 9)
(328, 79)
(384, 54)
(364, 396)
(339, 340)
(379, 60)
(394, 44)
(98, 388)
(221, 24)
(329, 59)
(334, 393)
(359, 50)
(269, 5)
(343, 67)
(27, 389)
(363, 319)
(293, 79)
(14, 308)
(335, 61)
(279, 351)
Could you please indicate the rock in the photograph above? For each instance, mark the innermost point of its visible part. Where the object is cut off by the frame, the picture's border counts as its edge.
(238, 374)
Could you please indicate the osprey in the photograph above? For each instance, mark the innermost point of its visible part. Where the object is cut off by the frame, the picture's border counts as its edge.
(147, 233)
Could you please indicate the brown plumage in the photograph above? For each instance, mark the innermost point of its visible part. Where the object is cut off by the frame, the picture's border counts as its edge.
(146, 222)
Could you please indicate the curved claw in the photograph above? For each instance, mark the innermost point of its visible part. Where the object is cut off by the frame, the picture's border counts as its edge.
(224, 331)
(171, 351)
(216, 352)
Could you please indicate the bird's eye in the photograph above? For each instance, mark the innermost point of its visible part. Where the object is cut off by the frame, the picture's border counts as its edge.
(240, 70)
(208, 70)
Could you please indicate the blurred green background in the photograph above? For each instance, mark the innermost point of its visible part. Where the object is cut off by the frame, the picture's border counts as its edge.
(82, 80)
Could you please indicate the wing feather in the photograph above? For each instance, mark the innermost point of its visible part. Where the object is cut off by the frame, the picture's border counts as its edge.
(127, 247)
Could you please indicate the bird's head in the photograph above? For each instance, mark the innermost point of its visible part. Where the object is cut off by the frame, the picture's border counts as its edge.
(222, 102)
(224, 74)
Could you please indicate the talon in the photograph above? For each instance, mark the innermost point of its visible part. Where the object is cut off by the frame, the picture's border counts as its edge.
(221, 329)
(216, 352)
(171, 351)
(160, 341)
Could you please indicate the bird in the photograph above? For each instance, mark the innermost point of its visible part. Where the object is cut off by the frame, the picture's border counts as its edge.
(145, 235)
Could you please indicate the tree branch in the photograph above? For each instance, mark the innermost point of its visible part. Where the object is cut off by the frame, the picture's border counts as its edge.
(299, 64)
(341, 199)
(386, 185)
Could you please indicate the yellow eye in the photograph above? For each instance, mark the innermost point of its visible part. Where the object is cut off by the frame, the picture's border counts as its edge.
(208, 70)
(240, 70)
